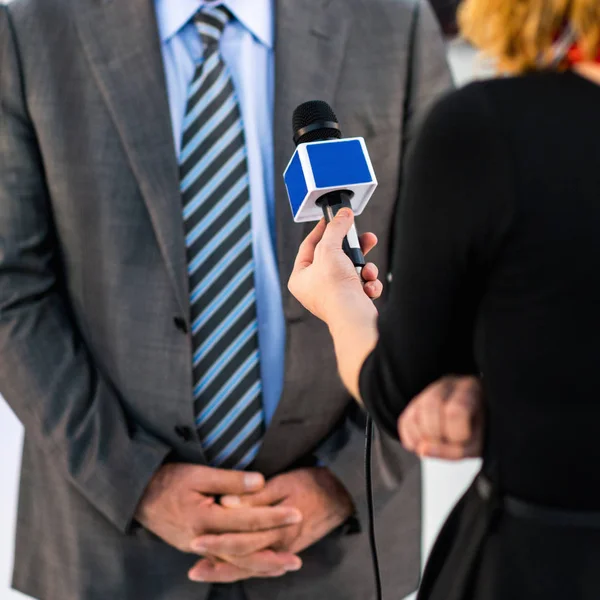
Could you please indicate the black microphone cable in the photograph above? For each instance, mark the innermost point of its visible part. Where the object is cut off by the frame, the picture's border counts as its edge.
(369, 432)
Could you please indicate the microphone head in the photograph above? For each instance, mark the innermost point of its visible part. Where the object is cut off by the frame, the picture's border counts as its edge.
(315, 121)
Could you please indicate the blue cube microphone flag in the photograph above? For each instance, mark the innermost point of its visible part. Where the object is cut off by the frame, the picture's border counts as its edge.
(327, 173)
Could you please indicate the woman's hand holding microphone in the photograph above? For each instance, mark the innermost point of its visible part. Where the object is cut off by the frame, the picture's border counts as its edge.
(324, 276)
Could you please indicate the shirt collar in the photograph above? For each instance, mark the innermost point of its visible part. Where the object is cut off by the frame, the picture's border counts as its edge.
(256, 16)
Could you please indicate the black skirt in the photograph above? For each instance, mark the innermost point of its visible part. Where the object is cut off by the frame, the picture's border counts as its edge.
(484, 552)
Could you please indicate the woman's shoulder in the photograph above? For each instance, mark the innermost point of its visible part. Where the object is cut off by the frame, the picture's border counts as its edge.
(465, 136)
(485, 98)
(471, 102)
(481, 106)
(461, 114)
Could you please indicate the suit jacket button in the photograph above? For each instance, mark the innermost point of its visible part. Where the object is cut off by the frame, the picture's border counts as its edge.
(185, 433)
(180, 324)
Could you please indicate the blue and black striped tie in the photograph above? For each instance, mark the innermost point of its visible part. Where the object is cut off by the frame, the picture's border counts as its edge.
(217, 220)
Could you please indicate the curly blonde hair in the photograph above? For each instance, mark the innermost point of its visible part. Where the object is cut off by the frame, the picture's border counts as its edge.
(520, 34)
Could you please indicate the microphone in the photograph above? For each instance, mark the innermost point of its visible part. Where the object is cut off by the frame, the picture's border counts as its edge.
(327, 173)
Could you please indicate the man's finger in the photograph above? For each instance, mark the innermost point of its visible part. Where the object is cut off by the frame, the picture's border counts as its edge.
(306, 253)
(237, 544)
(368, 241)
(207, 480)
(218, 519)
(222, 572)
(265, 561)
(338, 228)
(271, 494)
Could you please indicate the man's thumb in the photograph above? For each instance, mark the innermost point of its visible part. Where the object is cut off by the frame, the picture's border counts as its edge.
(338, 228)
(225, 482)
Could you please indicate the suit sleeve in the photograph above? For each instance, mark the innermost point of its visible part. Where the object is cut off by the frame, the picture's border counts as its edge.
(47, 375)
(429, 77)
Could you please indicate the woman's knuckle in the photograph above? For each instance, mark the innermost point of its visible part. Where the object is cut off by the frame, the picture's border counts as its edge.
(430, 401)
(419, 410)
(456, 410)
(469, 382)
(447, 385)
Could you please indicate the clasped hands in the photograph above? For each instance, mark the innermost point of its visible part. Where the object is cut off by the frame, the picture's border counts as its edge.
(256, 529)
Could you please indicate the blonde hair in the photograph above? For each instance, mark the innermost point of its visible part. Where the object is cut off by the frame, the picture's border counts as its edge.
(520, 34)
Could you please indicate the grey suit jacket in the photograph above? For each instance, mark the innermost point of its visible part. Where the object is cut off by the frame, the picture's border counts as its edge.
(93, 273)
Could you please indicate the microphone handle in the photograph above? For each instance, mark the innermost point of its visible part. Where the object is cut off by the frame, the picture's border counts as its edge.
(330, 204)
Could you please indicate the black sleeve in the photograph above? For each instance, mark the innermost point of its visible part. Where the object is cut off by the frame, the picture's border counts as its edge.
(454, 213)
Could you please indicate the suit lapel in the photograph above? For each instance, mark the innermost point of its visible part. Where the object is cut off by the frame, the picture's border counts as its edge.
(121, 41)
(310, 40)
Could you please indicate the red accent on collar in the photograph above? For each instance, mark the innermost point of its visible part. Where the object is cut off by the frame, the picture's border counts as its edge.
(575, 55)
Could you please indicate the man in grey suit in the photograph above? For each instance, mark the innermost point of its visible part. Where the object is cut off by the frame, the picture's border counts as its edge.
(147, 339)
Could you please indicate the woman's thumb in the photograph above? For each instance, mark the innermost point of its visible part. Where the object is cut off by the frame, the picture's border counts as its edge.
(338, 228)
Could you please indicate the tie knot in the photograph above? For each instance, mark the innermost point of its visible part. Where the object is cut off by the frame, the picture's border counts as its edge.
(210, 22)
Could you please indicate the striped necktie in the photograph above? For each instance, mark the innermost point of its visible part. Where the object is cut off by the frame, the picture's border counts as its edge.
(227, 389)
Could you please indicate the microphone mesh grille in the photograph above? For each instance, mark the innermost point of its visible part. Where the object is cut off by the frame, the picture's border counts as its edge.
(314, 111)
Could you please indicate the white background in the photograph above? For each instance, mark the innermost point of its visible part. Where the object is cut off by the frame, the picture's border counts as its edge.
(443, 483)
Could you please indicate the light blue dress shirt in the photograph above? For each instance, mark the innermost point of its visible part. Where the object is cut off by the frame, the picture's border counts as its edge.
(247, 49)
